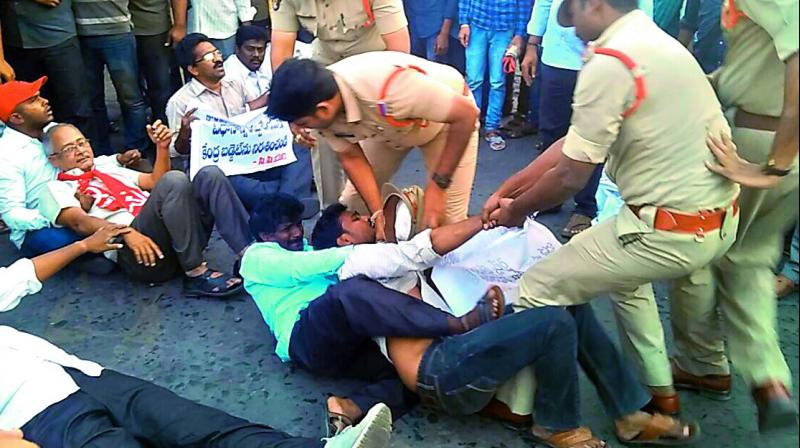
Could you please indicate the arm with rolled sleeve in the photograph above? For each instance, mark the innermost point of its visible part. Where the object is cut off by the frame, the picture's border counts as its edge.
(540, 15)
(390, 260)
(12, 201)
(603, 93)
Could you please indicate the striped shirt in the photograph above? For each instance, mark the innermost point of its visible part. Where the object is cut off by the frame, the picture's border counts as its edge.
(218, 19)
(495, 15)
(101, 17)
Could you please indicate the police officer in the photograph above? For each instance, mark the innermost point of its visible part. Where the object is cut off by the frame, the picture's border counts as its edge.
(758, 85)
(373, 108)
(342, 28)
(629, 110)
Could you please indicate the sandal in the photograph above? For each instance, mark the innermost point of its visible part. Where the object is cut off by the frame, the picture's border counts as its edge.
(333, 423)
(574, 438)
(657, 432)
(209, 286)
(496, 141)
(577, 224)
(485, 308)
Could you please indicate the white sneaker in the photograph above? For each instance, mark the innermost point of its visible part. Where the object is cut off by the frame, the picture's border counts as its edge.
(374, 431)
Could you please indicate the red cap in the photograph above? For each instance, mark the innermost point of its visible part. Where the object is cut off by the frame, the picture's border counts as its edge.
(13, 93)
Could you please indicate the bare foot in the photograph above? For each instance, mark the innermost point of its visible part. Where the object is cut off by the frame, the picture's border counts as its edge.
(661, 427)
(784, 286)
(345, 407)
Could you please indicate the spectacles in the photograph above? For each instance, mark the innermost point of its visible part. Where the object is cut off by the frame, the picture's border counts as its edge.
(210, 56)
(72, 147)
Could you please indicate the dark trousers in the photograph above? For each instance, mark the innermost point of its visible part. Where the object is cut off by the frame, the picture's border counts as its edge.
(158, 71)
(293, 179)
(460, 374)
(424, 48)
(117, 52)
(333, 336)
(555, 113)
(179, 217)
(535, 93)
(67, 88)
(119, 411)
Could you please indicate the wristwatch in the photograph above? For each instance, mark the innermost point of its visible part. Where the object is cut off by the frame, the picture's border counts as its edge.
(441, 180)
(771, 170)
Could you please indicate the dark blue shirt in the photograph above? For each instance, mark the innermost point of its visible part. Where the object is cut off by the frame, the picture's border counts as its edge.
(425, 17)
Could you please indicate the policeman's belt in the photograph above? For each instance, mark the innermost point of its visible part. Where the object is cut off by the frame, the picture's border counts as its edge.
(696, 224)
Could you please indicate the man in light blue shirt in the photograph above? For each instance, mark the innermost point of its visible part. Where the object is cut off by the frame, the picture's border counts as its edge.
(24, 169)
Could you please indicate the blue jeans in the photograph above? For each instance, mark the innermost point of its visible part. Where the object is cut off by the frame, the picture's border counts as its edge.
(38, 242)
(790, 266)
(460, 374)
(488, 45)
(424, 48)
(117, 52)
(293, 179)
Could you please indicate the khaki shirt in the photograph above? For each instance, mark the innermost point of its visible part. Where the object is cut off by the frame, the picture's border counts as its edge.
(754, 72)
(341, 26)
(411, 95)
(655, 155)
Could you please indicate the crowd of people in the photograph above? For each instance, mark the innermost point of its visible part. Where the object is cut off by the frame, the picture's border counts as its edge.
(686, 111)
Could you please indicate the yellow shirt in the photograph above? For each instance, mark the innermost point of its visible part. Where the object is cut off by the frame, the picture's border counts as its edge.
(753, 75)
(425, 98)
(655, 155)
(342, 27)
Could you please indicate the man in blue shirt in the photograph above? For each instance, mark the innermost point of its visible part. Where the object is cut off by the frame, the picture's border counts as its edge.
(434, 31)
(487, 29)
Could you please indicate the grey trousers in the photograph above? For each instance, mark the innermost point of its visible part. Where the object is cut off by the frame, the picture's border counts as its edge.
(179, 217)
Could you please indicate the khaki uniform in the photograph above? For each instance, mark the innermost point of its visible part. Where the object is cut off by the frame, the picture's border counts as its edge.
(751, 79)
(656, 156)
(342, 28)
(423, 98)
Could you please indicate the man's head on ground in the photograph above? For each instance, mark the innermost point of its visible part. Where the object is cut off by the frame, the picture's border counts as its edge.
(591, 17)
(22, 107)
(198, 56)
(67, 148)
(277, 218)
(339, 226)
(251, 46)
(304, 93)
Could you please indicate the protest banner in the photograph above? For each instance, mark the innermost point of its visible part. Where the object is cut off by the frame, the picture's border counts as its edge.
(243, 144)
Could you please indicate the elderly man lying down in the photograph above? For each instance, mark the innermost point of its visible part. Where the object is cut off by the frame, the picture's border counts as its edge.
(460, 373)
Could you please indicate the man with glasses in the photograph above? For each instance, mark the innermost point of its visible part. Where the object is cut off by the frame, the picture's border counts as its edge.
(211, 90)
(170, 219)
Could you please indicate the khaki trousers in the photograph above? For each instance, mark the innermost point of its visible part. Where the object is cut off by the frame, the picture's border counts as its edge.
(328, 173)
(741, 286)
(385, 161)
(622, 257)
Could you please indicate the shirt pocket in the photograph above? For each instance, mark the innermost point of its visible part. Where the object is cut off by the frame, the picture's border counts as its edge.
(307, 16)
(632, 228)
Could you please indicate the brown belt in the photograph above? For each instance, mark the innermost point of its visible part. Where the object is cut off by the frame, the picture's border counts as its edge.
(744, 119)
(696, 223)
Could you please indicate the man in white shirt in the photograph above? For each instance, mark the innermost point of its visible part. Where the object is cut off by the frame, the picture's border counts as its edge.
(217, 19)
(246, 88)
(59, 400)
(170, 228)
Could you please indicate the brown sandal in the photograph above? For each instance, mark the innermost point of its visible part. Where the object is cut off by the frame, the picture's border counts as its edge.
(573, 438)
(657, 429)
(577, 224)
